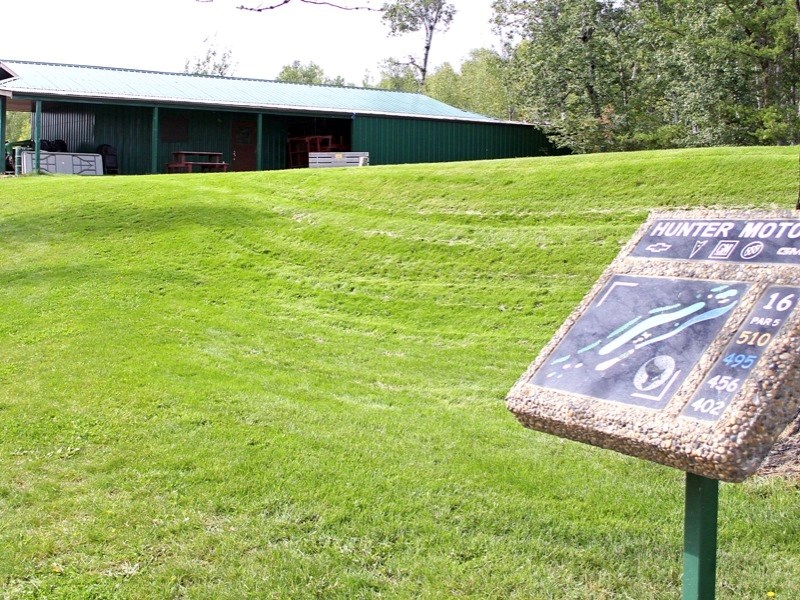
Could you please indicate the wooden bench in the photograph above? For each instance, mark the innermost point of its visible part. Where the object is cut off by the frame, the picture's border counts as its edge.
(186, 161)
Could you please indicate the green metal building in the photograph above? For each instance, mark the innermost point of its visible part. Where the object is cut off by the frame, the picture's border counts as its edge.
(146, 115)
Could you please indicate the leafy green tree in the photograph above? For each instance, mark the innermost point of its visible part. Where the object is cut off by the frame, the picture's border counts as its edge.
(409, 16)
(620, 74)
(446, 85)
(733, 68)
(297, 72)
(397, 76)
(480, 85)
(311, 73)
(18, 126)
(213, 62)
(572, 66)
(487, 89)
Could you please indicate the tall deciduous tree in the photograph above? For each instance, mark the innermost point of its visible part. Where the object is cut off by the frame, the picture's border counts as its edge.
(311, 73)
(18, 126)
(618, 74)
(573, 66)
(428, 16)
(340, 5)
(397, 77)
(297, 72)
(480, 85)
(213, 62)
(401, 16)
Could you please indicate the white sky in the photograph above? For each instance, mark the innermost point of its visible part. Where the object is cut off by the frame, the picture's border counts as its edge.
(162, 35)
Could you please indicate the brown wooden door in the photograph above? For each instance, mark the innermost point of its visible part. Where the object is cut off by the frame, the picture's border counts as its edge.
(244, 141)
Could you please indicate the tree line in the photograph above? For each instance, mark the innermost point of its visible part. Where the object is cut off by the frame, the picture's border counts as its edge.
(401, 17)
(600, 75)
(617, 75)
(605, 75)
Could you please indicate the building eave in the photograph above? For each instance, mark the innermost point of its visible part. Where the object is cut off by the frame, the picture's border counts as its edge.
(55, 96)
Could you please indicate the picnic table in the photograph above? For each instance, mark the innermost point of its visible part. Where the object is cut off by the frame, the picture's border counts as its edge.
(191, 161)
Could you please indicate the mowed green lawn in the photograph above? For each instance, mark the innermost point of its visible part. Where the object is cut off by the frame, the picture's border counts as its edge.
(291, 384)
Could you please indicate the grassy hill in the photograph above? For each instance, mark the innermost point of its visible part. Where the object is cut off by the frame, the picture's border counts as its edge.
(290, 385)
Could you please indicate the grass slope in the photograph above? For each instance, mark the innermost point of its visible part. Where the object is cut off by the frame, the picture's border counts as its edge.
(290, 385)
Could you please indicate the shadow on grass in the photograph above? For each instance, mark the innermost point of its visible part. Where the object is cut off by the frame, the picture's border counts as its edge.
(101, 220)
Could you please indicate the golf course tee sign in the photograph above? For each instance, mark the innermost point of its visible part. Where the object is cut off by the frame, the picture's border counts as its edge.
(686, 350)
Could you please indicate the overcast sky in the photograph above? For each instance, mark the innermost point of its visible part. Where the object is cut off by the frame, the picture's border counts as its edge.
(162, 34)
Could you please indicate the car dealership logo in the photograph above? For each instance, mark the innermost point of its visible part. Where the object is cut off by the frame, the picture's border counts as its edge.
(752, 250)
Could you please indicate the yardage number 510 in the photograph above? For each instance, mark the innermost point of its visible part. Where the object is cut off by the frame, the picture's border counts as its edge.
(759, 338)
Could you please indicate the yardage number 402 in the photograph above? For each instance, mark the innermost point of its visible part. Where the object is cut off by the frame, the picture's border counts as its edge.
(709, 406)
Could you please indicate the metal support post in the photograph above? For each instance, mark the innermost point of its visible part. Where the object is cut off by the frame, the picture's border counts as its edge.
(37, 138)
(260, 142)
(3, 126)
(700, 538)
(154, 143)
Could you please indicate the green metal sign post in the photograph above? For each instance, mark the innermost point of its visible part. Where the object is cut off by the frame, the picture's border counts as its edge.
(700, 537)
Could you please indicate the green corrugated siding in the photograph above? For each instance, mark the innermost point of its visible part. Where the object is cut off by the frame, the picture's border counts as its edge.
(213, 131)
(84, 127)
(206, 131)
(396, 141)
(129, 128)
(389, 140)
(273, 144)
(73, 125)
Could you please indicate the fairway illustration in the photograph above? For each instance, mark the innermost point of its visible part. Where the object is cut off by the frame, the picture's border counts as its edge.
(637, 341)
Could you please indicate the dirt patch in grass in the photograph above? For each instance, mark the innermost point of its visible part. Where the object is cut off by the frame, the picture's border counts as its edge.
(784, 458)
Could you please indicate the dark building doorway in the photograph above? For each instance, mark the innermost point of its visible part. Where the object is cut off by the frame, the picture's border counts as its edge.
(244, 141)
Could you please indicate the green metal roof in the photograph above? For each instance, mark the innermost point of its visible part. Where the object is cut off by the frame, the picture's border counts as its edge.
(76, 82)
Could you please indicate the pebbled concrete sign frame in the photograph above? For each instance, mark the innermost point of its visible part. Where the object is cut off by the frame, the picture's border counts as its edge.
(686, 351)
